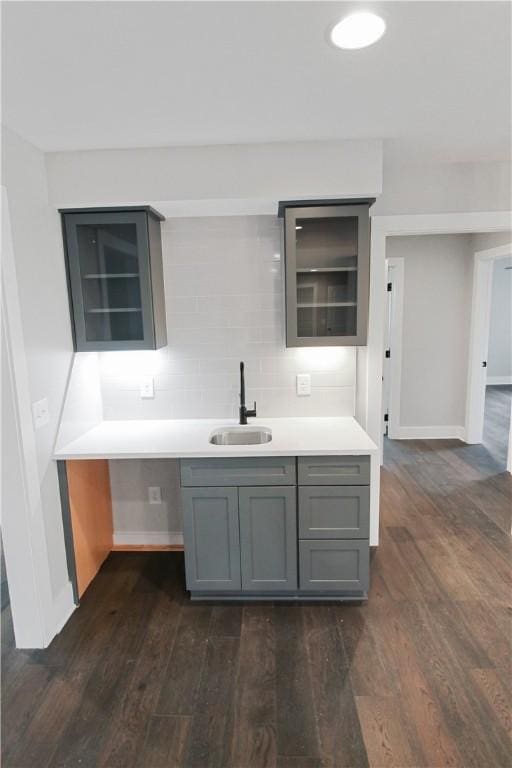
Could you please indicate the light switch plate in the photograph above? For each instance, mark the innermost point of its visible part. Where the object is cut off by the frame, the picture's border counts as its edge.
(40, 413)
(147, 387)
(303, 384)
(154, 494)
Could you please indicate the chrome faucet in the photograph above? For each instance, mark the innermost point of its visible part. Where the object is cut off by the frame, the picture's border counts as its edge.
(244, 412)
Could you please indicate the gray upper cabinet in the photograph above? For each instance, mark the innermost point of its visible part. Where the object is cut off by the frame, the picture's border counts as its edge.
(327, 264)
(115, 278)
(212, 539)
(268, 539)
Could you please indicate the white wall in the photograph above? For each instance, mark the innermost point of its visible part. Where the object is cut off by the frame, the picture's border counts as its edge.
(248, 178)
(436, 316)
(225, 303)
(442, 188)
(43, 303)
(499, 355)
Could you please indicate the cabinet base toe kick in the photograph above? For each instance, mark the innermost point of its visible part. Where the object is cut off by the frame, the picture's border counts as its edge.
(302, 597)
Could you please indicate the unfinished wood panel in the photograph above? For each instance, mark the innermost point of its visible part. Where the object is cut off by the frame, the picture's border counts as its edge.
(148, 548)
(91, 517)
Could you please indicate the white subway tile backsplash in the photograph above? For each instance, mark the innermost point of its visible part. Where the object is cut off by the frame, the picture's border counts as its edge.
(224, 290)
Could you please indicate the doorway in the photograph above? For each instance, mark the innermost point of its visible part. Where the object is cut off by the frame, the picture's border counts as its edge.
(489, 388)
(438, 359)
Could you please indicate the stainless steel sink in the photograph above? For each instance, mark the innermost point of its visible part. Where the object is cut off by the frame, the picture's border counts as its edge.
(241, 436)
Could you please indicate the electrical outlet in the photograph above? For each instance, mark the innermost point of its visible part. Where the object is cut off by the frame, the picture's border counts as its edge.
(147, 387)
(154, 494)
(40, 413)
(303, 384)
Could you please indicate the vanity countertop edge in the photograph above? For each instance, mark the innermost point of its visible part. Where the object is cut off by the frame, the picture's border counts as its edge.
(189, 438)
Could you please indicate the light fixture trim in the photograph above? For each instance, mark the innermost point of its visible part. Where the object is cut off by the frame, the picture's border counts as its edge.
(357, 30)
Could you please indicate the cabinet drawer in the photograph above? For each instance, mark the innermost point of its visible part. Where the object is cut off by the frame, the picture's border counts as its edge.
(274, 470)
(334, 512)
(334, 566)
(334, 470)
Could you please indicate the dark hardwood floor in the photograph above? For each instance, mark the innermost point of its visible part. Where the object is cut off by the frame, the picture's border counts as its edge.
(418, 676)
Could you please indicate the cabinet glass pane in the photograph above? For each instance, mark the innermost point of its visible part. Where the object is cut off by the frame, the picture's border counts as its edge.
(109, 273)
(326, 258)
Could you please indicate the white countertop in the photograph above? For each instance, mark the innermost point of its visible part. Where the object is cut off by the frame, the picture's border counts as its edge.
(189, 438)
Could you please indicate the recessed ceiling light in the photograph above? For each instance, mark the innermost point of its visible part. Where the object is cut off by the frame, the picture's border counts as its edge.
(358, 30)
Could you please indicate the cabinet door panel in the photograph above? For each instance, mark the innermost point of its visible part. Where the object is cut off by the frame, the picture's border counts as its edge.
(211, 536)
(268, 535)
(334, 566)
(334, 511)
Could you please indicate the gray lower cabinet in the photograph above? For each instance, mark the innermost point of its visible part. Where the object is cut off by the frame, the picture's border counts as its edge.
(268, 538)
(212, 541)
(248, 536)
(334, 565)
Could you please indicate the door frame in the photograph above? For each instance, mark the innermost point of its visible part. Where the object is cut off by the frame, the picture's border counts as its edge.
(483, 263)
(394, 367)
(36, 616)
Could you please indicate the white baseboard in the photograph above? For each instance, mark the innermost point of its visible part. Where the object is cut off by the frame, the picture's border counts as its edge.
(141, 538)
(428, 433)
(496, 380)
(63, 607)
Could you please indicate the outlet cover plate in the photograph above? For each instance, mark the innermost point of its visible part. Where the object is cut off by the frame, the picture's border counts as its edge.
(147, 387)
(40, 413)
(154, 494)
(303, 384)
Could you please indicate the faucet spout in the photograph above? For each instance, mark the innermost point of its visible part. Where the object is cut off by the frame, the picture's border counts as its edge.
(244, 412)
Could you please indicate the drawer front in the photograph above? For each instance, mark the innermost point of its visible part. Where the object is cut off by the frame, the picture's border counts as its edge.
(274, 470)
(334, 512)
(334, 470)
(334, 566)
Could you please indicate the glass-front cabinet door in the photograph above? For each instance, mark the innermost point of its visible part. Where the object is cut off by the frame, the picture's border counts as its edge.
(110, 277)
(327, 274)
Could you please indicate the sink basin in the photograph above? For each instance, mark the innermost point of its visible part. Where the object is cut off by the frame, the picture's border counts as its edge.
(241, 436)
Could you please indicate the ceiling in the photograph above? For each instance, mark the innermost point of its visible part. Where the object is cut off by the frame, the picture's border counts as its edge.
(90, 75)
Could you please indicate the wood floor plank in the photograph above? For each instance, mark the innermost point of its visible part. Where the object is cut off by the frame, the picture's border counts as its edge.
(166, 742)
(59, 704)
(451, 685)
(385, 733)
(127, 727)
(181, 679)
(493, 688)
(82, 740)
(339, 732)
(32, 682)
(254, 733)
(211, 732)
(296, 726)
(428, 734)
(226, 620)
